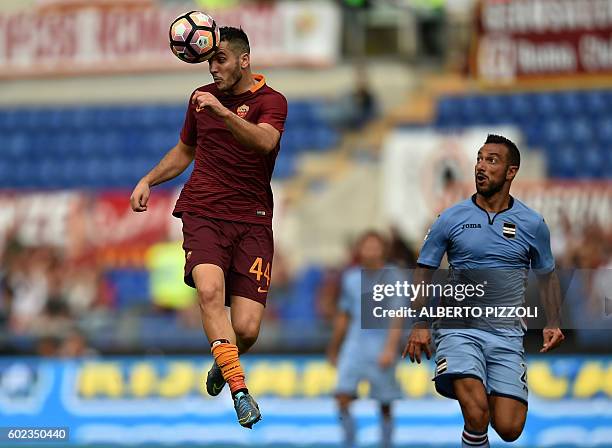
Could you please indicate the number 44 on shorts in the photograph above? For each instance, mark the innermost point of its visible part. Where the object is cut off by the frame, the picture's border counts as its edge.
(256, 268)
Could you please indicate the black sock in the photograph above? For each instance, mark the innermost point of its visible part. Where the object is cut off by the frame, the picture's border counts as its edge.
(219, 341)
(245, 390)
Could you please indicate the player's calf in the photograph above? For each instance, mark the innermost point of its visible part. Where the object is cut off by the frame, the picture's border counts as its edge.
(226, 358)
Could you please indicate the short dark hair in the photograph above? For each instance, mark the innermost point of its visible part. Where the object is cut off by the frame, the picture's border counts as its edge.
(236, 37)
(514, 156)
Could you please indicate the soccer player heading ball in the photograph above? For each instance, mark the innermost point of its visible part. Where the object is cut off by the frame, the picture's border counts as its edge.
(483, 366)
(232, 129)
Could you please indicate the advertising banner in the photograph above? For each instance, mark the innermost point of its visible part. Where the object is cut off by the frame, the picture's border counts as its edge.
(74, 38)
(160, 400)
(85, 219)
(530, 39)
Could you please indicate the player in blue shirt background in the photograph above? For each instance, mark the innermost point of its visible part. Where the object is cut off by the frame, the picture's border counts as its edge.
(483, 365)
(364, 354)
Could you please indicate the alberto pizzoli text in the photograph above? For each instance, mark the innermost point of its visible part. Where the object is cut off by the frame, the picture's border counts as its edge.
(457, 312)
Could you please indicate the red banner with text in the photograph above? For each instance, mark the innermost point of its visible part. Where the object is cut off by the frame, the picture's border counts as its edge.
(74, 38)
(535, 39)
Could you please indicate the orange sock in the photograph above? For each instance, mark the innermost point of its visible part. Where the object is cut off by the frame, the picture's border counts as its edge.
(226, 356)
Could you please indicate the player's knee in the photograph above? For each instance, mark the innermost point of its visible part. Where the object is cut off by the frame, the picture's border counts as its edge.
(507, 429)
(476, 415)
(246, 331)
(509, 433)
(385, 410)
(344, 402)
(210, 292)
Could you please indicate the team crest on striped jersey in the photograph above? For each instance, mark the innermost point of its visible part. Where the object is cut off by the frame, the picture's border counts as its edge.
(242, 111)
(509, 230)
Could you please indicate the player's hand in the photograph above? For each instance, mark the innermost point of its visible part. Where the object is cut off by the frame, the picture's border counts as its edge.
(552, 339)
(207, 99)
(418, 342)
(386, 358)
(140, 196)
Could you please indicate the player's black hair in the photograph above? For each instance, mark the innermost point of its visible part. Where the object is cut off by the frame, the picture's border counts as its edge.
(236, 37)
(514, 156)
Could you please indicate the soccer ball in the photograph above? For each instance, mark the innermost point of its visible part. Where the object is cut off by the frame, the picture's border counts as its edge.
(194, 37)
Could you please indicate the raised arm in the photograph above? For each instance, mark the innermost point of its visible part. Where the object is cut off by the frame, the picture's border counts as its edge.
(261, 138)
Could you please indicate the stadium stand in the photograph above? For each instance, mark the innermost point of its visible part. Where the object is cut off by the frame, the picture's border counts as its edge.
(572, 127)
(111, 146)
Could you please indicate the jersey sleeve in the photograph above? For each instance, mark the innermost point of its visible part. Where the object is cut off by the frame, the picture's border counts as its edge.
(435, 244)
(274, 112)
(189, 133)
(542, 260)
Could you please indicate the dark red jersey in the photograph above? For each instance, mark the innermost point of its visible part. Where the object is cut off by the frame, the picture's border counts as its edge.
(230, 181)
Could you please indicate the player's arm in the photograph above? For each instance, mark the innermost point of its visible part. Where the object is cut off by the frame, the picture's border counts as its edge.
(341, 323)
(261, 138)
(420, 337)
(173, 163)
(550, 296)
(543, 263)
(392, 344)
(432, 251)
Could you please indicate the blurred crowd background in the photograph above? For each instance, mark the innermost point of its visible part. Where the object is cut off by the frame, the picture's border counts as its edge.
(389, 101)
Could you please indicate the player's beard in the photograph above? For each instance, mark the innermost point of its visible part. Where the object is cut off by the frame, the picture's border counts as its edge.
(233, 80)
(490, 188)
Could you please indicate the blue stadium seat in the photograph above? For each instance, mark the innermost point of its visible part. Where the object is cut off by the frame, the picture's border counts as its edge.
(302, 306)
(592, 163)
(547, 105)
(448, 112)
(604, 130)
(131, 287)
(14, 145)
(110, 145)
(572, 103)
(474, 109)
(564, 163)
(581, 132)
(497, 110)
(598, 103)
(299, 111)
(521, 106)
(82, 118)
(285, 166)
(555, 132)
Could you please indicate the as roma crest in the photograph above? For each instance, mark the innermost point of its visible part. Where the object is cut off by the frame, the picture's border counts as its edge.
(242, 111)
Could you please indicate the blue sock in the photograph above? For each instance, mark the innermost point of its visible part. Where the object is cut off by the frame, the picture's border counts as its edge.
(387, 432)
(348, 426)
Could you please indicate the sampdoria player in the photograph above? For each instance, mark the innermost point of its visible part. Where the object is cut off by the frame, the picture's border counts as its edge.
(482, 364)
(364, 354)
(232, 128)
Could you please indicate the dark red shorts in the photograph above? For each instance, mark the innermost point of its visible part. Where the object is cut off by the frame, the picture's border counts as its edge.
(243, 251)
